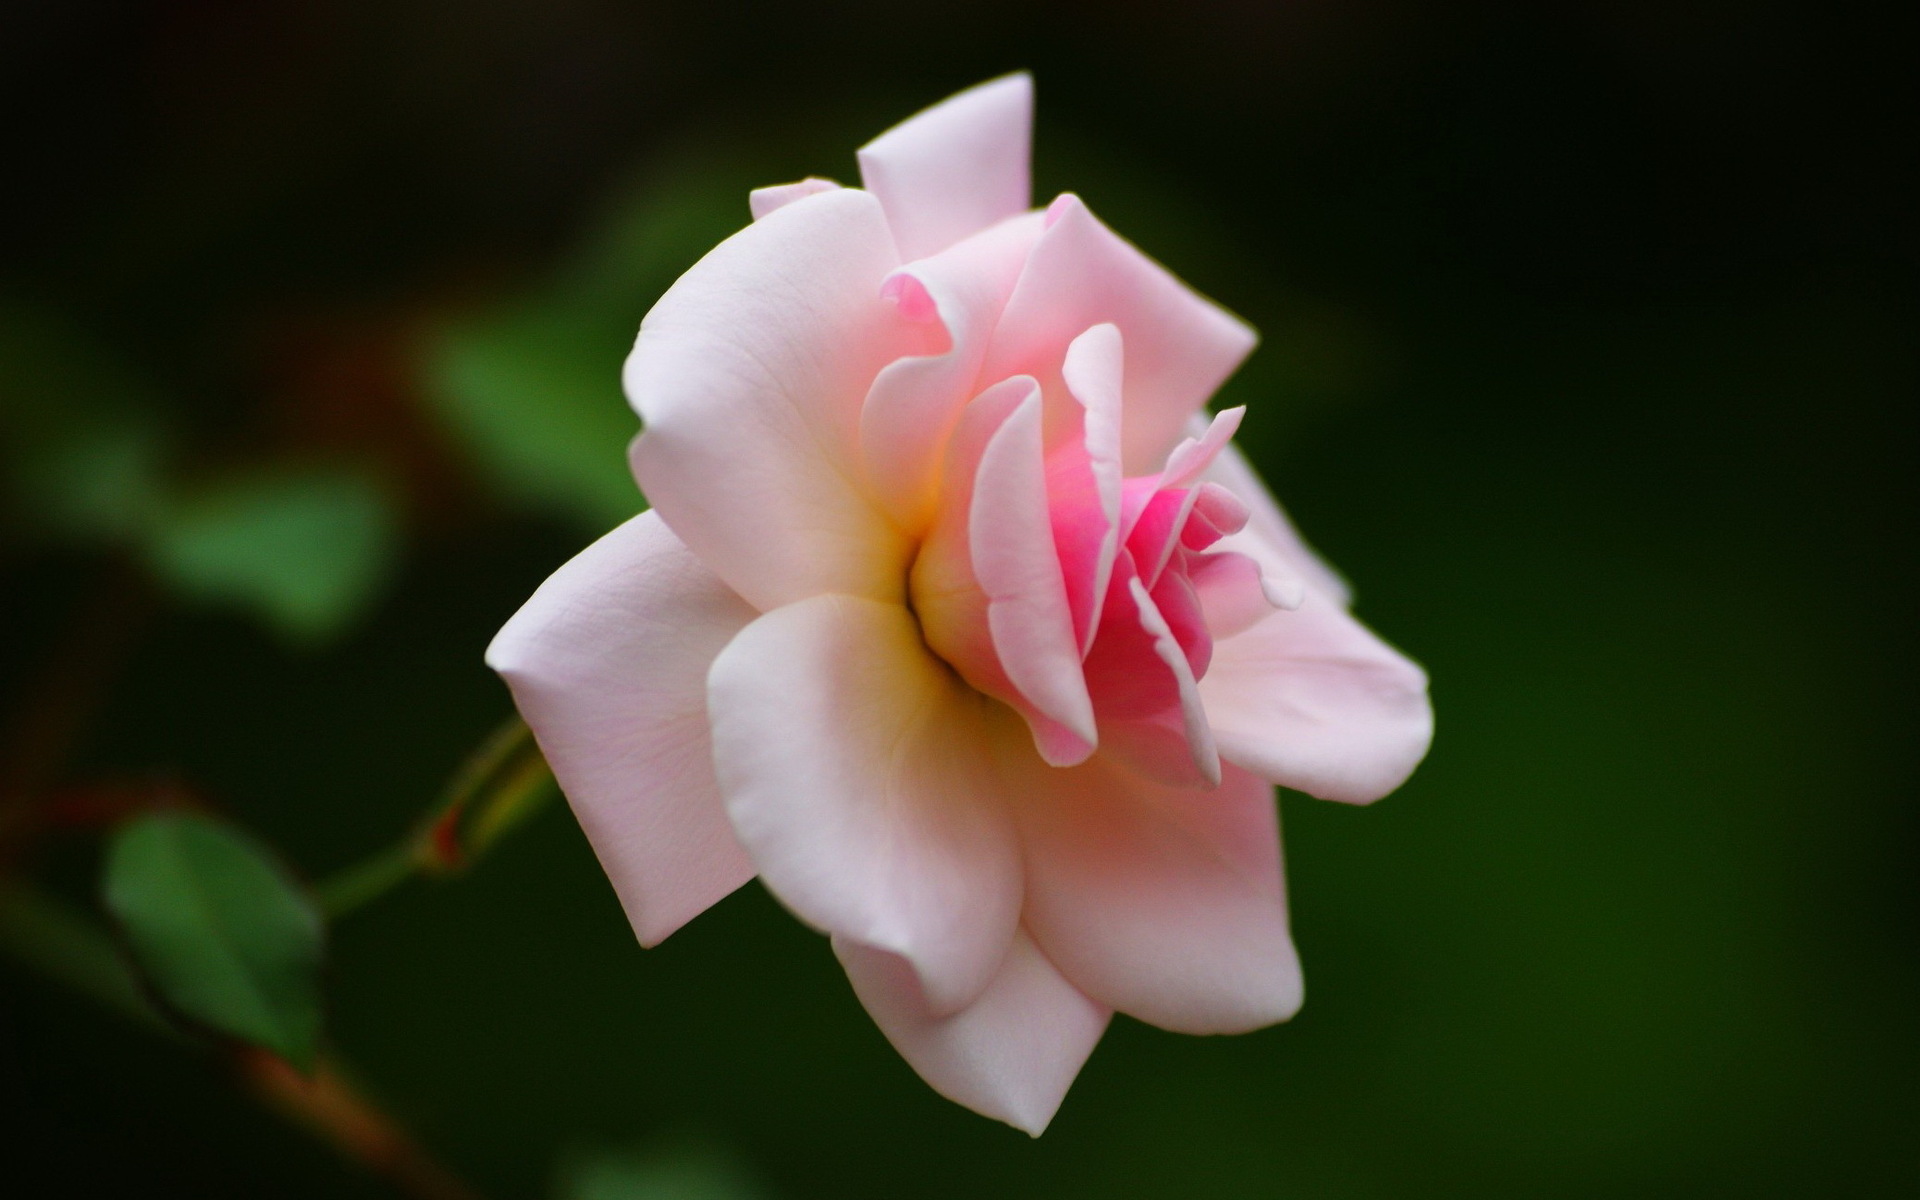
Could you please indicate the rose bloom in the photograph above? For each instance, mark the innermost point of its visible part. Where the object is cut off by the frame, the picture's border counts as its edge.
(959, 623)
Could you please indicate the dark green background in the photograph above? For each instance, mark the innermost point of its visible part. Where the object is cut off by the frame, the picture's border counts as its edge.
(1591, 359)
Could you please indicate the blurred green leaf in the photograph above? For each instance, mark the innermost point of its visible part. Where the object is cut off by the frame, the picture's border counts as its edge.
(535, 398)
(80, 436)
(85, 453)
(683, 1171)
(307, 550)
(223, 932)
(531, 386)
(72, 948)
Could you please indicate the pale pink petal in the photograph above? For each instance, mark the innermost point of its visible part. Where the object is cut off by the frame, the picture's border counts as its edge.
(1233, 594)
(761, 201)
(1312, 700)
(1157, 509)
(1217, 513)
(1155, 747)
(1083, 476)
(1156, 532)
(1180, 347)
(1010, 1055)
(915, 401)
(1165, 903)
(1195, 454)
(1270, 538)
(748, 375)
(948, 597)
(1174, 656)
(608, 664)
(856, 771)
(1011, 535)
(956, 168)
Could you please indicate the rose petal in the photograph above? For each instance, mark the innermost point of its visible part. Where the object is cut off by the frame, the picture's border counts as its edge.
(1217, 513)
(913, 404)
(1010, 532)
(1233, 594)
(1180, 347)
(855, 769)
(1083, 476)
(1194, 455)
(1312, 700)
(947, 595)
(956, 168)
(1155, 533)
(761, 201)
(748, 375)
(1141, 676)
(1010, 1055)
(608, 663)
(1270, 538)
(1165, 903)
(1156, 621)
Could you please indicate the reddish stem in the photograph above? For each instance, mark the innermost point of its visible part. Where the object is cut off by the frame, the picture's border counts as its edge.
(329, 1106)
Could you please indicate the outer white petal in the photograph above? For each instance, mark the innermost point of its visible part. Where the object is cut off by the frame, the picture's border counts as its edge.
(748, 375)
(1165, 903)
(855, 768)
(956, 168)
(1312, 700)
(608, 663)
(1010, 1055)
(762, 201)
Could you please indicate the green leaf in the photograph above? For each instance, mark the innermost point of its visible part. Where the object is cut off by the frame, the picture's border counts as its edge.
(307, 551)
(221, 930)
(72, 948)
(530, 386)
(534, 397)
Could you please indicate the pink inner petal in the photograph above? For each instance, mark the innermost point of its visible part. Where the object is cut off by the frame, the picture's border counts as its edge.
(1082, 536)
(1154, 538)
(1233, 596)
(1011, 535)
(1179, 606)
(1195, 455)
(1179, 346)
(1217, 513)
(1124, 674)
(1093, 372)
(992, 541)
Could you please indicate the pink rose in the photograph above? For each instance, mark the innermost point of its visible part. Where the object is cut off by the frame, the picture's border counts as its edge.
(958, 623)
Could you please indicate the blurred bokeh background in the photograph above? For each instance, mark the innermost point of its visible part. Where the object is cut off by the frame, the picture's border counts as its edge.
(1590, 356)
